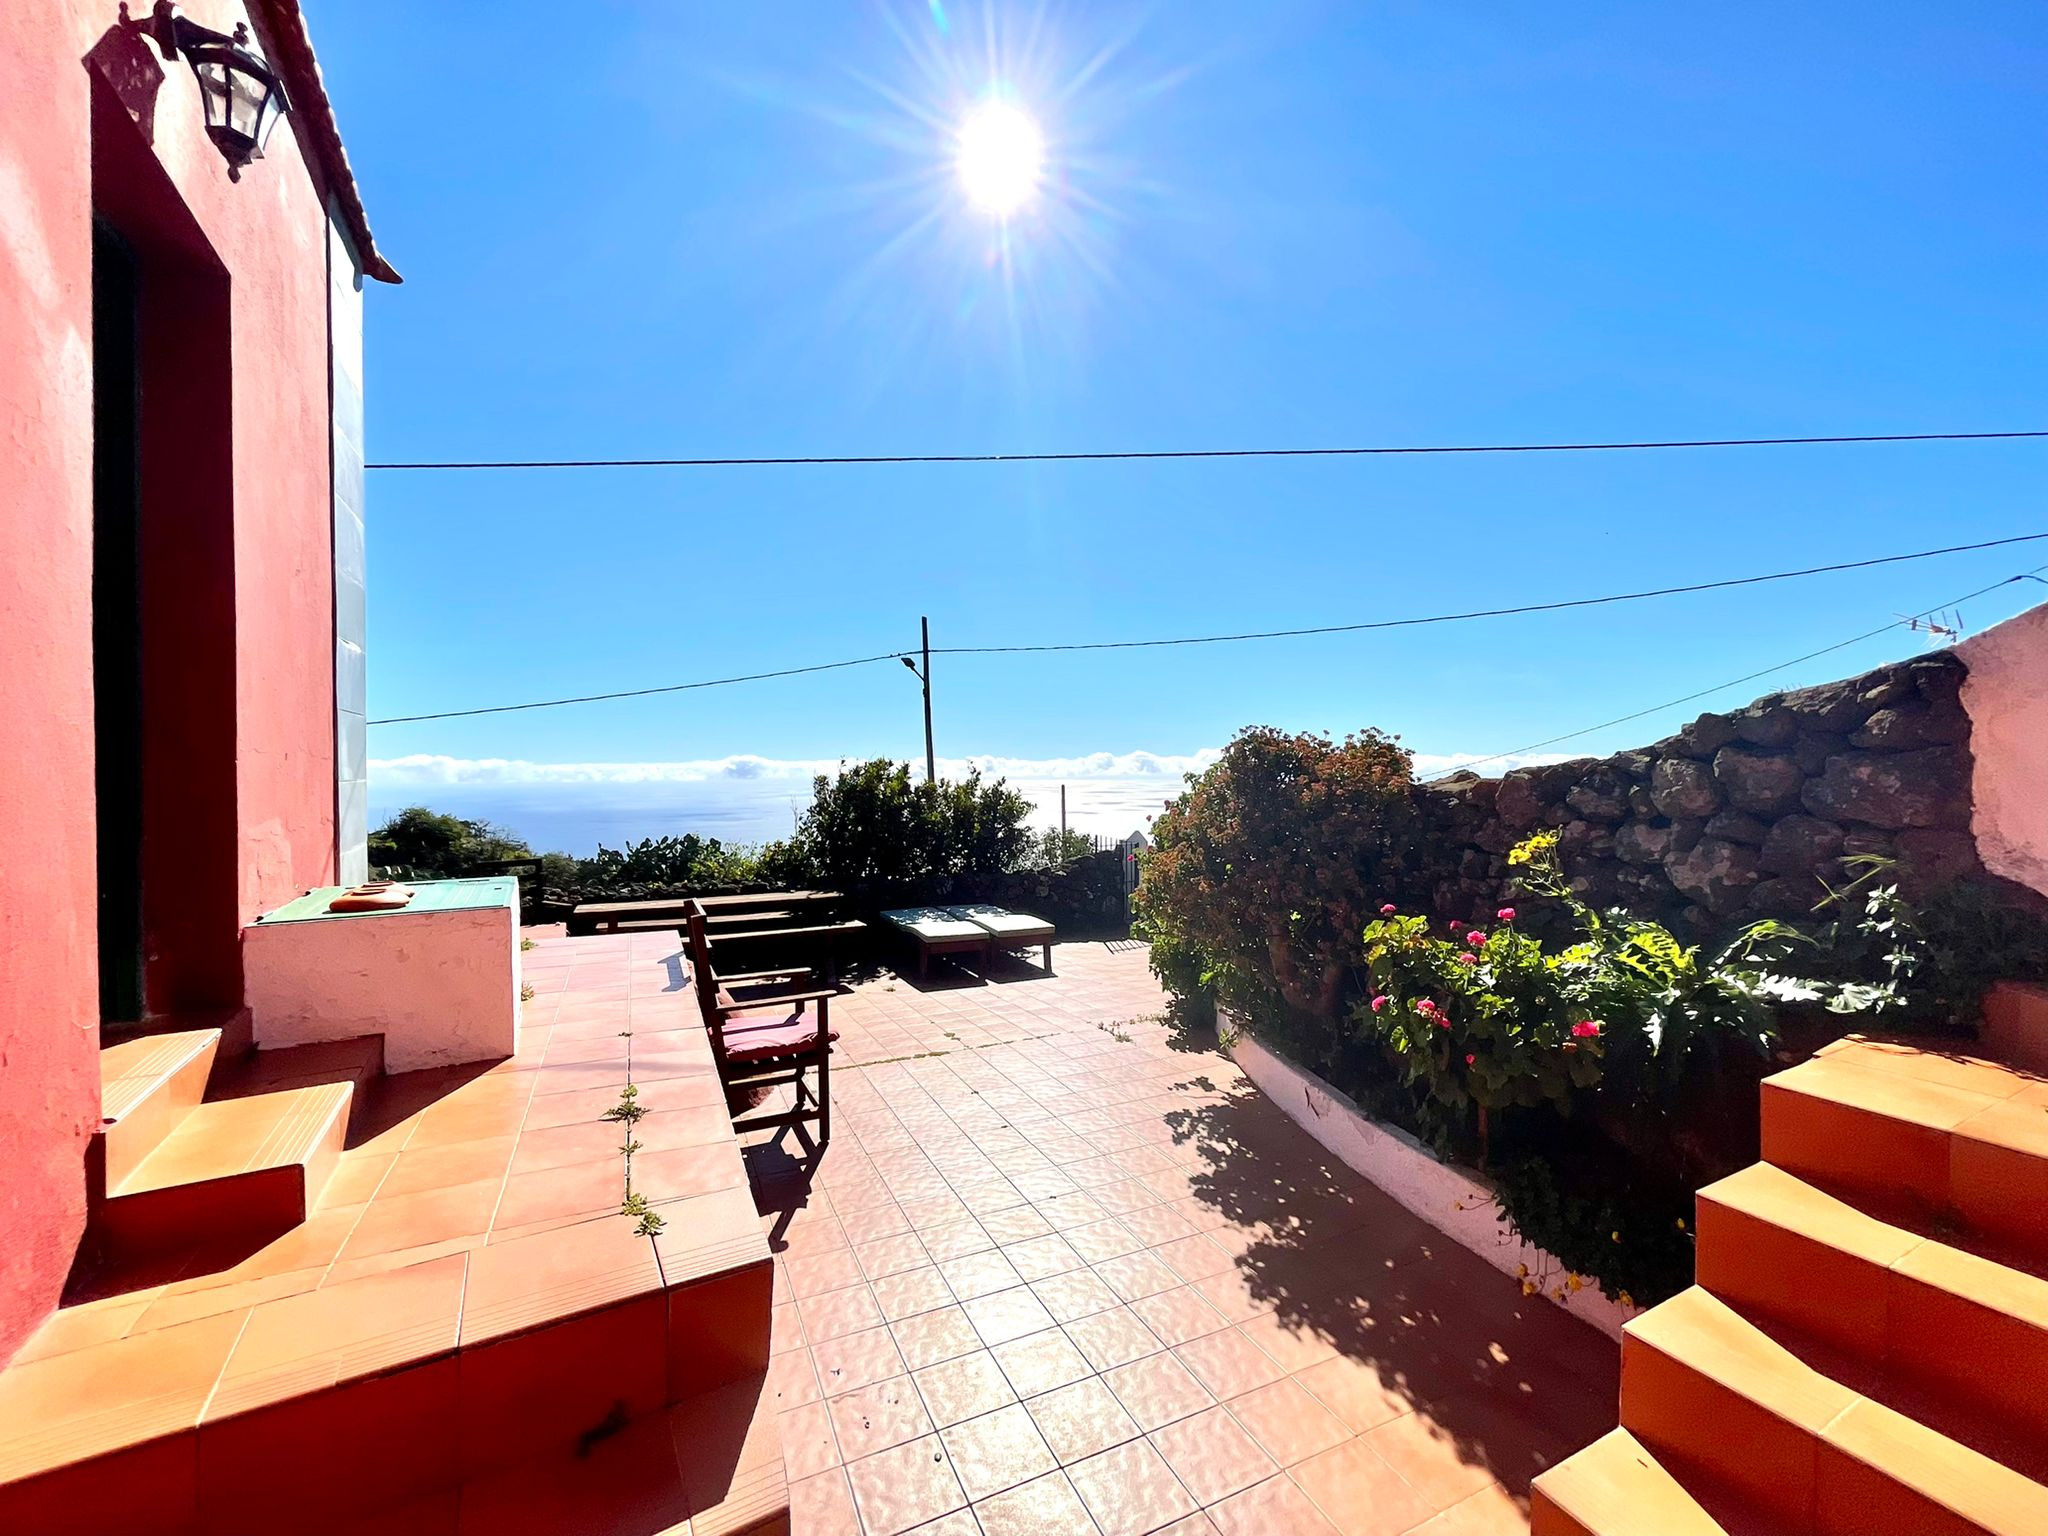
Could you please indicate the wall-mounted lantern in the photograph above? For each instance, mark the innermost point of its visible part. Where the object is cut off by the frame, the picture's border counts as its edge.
(242, 97)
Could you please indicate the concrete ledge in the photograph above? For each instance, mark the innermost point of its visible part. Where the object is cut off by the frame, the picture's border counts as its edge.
(1457, 1202)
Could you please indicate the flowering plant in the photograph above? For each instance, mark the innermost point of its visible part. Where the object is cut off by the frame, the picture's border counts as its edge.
(1494, 1020)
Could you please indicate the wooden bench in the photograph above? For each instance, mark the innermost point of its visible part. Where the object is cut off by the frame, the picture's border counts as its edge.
(590, 917)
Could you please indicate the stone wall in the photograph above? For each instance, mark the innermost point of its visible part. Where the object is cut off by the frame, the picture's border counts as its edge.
(1738, 816)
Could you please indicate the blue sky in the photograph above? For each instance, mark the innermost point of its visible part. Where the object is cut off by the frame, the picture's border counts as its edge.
(669, 229)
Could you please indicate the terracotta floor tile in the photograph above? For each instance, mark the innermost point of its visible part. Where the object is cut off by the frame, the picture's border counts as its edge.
(1178, 1315)
(431, 1216)
(955, 1240)
(785, 1328)
(1081, 1420)
(1136, 1274)
(877, 1417)
(822, 1505)
(1045, 1506)
(556, 1274)
(963, 1388)
(814, 1274)
(930, 1337)
(1075, 1294)
(1212, 1455)
(1296, 1346)
(1357, 1392)
(808, 1444)
(1106, 1239)
(342, 1333)
(1042, 1362)
(833, 1314)
(1228, 1363)
(578, 1189)
(1158, 1390)
(1276, 1507)
(1288, 1422)
(911, 1292)
(1007, 1315)
(793, 1379)
(1113, 1338)
(898, 1489)
(891, 1255)
(1129, 1489)
(856, 1360)
(1492, 1511)
(979, 1274)
(997, 1451)
(1018, 1225)
(1359, 1493)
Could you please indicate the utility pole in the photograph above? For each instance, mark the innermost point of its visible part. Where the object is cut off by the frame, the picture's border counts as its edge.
(924, 676)
(931, 763)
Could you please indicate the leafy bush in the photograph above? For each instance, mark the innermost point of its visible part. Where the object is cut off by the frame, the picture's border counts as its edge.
(1263, 873)
(427, 843)
(874, 826)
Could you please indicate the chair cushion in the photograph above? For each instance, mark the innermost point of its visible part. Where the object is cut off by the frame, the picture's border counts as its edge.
(759, 1036)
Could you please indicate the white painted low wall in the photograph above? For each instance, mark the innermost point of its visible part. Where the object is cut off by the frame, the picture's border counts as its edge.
(440, 985)
(1457, 1203)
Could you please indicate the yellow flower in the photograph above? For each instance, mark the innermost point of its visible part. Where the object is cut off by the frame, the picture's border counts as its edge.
(1528, 1287)
(1574, 1282)
(1626, 1300)
(1615, 1236)
(1681, 1223)
(1521, 1271)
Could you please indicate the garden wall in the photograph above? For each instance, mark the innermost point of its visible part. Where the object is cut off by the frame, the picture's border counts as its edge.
(1740, 815)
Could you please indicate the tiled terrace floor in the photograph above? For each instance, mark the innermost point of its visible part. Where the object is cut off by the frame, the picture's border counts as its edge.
(1054, 1275)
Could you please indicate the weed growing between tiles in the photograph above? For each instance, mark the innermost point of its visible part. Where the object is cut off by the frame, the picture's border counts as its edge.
(628, 1112)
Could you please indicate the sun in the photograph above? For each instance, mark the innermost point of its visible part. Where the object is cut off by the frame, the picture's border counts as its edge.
(1001, 157)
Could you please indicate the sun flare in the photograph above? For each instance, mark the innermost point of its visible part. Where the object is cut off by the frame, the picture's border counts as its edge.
(1001, 157)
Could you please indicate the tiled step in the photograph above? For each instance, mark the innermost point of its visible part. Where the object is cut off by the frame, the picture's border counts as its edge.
(1917, 1312)
(1615, 1487)
(709, 1467)
(1923, 1127)
(358, 1062)
(1715, 1398)
(147, 1085)
(2015, 1025)
(230, 1169)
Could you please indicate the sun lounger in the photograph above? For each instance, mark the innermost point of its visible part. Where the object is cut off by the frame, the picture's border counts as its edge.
(1010, 930)
(938, 931)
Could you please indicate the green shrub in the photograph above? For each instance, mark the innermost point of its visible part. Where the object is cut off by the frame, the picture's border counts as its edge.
(874, 826)
(434, 844)
(1262, 874)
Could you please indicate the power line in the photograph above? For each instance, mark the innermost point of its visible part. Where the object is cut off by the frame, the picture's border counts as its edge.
(639, 693)
(1131, 454)
(1488, 613)
(1903, 622)
(1101, 645)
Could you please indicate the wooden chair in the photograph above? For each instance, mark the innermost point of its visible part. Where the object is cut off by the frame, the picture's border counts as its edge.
(766, 1040)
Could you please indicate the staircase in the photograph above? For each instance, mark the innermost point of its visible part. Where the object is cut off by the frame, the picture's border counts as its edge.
(1865, 1349)
(318, 1298)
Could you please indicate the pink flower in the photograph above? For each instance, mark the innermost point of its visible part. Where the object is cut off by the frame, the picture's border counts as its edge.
(1468, 959)
(1456, 925)
(1506, 914)
(1425, 1006)
(1442, 1022)
(1475, 938)
(1470, 1059)
(1379, 1002)
(1586, 1029)
(1388, 910)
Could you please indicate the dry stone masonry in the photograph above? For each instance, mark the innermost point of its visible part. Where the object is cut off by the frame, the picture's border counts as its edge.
(1738, 816)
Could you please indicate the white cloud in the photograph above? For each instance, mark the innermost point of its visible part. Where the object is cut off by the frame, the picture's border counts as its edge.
(427, 770)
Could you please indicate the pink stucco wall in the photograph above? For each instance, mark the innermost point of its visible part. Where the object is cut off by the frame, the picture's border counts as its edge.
(268, 232)
(2006, 695)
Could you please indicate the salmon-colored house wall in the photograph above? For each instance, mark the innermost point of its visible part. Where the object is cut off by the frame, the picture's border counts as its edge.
(239, 715)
